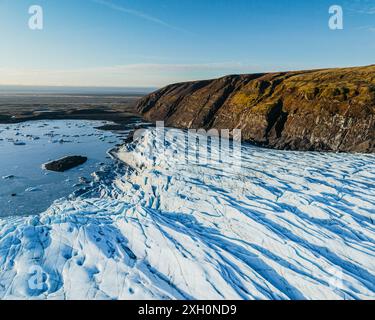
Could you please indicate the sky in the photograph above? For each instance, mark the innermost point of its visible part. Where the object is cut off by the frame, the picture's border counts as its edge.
(151, 43)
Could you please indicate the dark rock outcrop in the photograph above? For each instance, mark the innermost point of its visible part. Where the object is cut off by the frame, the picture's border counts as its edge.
(331, 109)
(65, 164)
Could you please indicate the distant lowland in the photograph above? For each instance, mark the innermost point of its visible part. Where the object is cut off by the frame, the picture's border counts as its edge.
(23, 103)
(53, 90)
(314, 110)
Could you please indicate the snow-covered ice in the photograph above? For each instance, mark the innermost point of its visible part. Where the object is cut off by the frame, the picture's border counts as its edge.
(286, 225)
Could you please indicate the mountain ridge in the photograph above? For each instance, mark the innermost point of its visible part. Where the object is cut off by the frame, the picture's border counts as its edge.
(318, 110)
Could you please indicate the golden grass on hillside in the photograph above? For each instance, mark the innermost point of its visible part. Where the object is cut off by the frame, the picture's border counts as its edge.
(331, 89)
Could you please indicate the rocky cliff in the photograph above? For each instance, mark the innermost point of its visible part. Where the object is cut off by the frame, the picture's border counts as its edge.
(331, 109)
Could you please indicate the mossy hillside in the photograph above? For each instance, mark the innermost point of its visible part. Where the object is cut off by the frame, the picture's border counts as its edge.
(330, 109)
(333, 90)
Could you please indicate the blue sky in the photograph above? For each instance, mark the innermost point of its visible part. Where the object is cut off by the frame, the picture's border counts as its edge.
(156, 42)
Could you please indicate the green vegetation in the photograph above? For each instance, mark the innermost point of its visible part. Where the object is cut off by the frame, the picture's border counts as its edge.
(333, 90)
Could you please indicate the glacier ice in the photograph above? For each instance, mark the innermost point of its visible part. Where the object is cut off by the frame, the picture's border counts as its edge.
(286, 225)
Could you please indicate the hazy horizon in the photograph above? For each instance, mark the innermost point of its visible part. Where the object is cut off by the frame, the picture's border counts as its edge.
(67, 90)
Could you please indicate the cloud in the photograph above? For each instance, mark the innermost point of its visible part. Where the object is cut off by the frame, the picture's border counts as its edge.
(364, 11)
(132, 75)
(138, 14)
(362, 7)
(367, 28)
(176, 67)
(136, 75)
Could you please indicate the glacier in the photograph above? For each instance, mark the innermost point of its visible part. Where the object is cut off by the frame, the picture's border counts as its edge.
(285, 225)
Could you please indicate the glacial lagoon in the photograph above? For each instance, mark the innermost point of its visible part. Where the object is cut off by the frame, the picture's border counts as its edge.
(25, 187)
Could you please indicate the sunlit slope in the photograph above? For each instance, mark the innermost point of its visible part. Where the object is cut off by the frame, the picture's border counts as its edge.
(330, 109)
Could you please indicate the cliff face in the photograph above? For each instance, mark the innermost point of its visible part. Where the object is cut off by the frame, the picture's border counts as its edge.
(332, 109)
